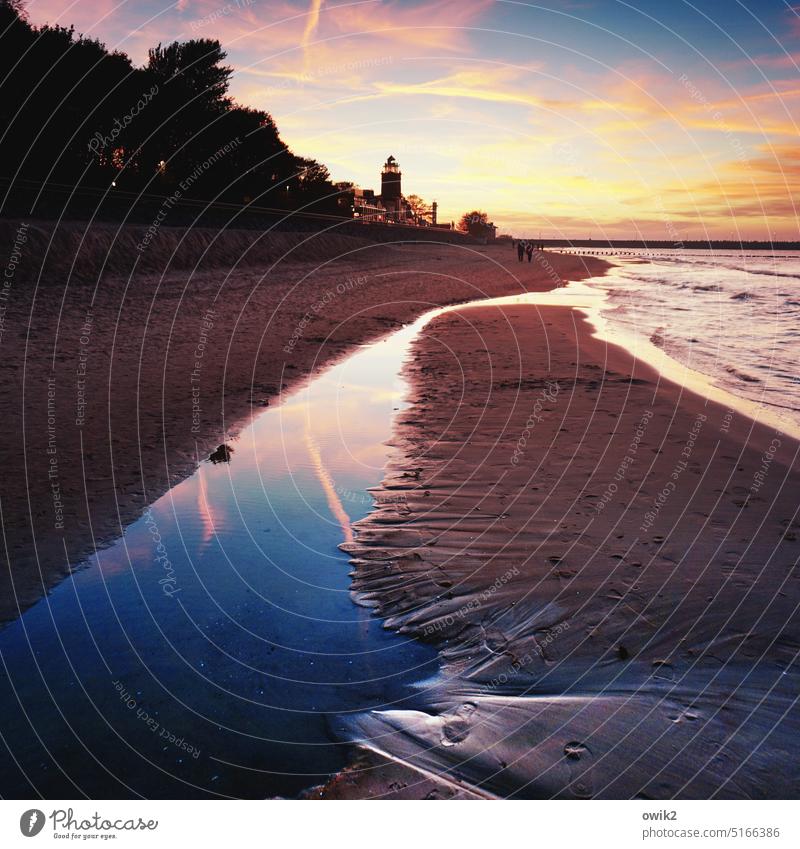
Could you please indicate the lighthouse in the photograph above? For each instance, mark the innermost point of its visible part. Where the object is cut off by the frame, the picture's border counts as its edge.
(391, 191)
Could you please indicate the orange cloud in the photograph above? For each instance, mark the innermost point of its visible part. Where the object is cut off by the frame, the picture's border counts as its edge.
(311, 26)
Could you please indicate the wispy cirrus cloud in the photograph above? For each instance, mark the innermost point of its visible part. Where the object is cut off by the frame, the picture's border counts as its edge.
(312, 23)
(521, 111)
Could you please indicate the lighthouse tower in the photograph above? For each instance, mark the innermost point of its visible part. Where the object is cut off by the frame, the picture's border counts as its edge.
(390, 183)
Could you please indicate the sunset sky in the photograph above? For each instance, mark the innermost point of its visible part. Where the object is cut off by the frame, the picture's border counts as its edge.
(654, 119)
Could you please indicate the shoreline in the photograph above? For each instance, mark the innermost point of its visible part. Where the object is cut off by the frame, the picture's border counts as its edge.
(673, 370)
(556, 639)
(147, 413)
(589, 302)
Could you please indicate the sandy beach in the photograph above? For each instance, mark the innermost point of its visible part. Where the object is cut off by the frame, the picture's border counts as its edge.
(402, 403)
(606, 562)
(126, 369)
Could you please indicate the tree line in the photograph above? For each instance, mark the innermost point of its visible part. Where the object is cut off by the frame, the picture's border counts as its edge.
(72, 112)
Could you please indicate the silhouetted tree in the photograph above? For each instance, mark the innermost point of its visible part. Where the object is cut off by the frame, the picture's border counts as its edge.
(56, 90)
(195, 70)
(471, 219)
(259, 165)
(72, 112)
(419, 207)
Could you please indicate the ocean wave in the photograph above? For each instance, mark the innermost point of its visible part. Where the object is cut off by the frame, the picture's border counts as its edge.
(647, 280)
(742, 375)
(761, 272)
(683, 285)
(693, 312)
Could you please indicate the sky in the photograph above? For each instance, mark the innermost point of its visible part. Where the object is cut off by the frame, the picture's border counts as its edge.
(577, 118)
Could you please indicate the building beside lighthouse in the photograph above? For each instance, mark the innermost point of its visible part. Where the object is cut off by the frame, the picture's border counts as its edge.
(390, 205)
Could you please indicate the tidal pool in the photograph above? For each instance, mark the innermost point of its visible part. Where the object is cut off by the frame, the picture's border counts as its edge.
(207, 649)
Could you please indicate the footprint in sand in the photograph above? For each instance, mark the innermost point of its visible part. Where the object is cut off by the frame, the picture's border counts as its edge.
(457, 724)
(579, 763)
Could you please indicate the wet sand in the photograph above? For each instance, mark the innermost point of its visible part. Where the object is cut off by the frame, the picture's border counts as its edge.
(607, 563)
(122, 371)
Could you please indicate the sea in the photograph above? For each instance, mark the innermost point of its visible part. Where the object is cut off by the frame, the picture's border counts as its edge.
(732, 317)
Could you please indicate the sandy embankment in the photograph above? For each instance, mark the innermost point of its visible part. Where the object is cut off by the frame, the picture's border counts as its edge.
(607, 563)
(99, 323)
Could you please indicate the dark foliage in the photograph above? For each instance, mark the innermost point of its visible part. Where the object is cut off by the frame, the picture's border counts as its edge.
(75, 114)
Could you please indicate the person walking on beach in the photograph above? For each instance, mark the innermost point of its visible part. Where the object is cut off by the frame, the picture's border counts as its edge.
(520, 250)
(529, 250)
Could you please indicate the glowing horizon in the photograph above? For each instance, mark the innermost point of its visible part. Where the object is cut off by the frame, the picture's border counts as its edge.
(576, 119)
